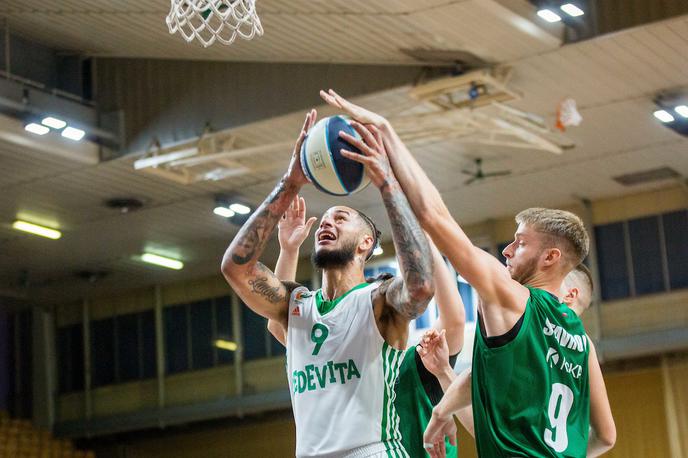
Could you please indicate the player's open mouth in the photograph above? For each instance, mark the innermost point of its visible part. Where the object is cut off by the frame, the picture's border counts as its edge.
(326, 237)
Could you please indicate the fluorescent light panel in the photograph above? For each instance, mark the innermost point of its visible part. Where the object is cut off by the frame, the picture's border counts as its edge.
(162, 261)
(35, 229)
(549, 15)
(240, 209)
(663, 116)
(572, 10)
(55, 123)
(73, 133)
(224, 212)
(37, 129)
(682, 110)
(226, 344)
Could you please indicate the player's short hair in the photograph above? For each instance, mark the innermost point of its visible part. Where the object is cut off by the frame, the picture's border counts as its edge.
(581, 277)
(374, 231)
(566, 230)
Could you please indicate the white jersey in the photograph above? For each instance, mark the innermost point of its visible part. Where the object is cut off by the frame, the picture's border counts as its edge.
(341, 377)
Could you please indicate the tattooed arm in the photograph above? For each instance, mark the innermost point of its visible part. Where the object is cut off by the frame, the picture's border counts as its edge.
(408, 294)
(255, 284)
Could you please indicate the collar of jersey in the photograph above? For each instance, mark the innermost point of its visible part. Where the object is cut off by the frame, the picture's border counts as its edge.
(325, 306)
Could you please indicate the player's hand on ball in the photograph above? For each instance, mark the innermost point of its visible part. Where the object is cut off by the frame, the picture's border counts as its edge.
(439, 427)
(356, 112)
(295, 172)
(293, 228)
(373, 154)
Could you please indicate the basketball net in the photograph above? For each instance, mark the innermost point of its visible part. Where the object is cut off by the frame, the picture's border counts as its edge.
(567, 114)
(210, 20)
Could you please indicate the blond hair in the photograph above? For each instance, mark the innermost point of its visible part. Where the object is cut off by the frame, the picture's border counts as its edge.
(565, 230)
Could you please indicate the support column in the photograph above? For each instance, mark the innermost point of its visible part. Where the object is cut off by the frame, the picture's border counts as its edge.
(160, 352)
(43, 369)
(86, 327)
(239, 353)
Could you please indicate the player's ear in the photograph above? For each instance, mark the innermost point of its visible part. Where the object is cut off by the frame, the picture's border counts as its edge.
(552, 256)
(571, 296)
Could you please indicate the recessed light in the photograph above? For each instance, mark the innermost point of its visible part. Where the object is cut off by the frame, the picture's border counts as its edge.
(682, 110)
(572, 10)
(73, 133)
(549, 15)
(55, 123)
(663, 116)
(224, 212)
(37, 129)
(240, 209)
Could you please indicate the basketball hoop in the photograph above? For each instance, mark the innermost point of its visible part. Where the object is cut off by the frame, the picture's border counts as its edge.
(567, 114)
(210, 20)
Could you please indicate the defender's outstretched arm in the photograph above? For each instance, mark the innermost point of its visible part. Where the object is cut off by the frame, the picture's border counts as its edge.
(483, 271)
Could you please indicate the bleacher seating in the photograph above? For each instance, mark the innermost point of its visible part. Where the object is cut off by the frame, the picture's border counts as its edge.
(19, 439)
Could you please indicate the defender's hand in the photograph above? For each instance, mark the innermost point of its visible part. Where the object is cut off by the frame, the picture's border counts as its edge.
(373, 157)
(439, 427)
(293, 228)
(434, 352)
(356, 112)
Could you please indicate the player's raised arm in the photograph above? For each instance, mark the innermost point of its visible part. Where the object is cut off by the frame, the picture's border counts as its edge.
(452, 314)
(483, 271)
(292, 231)
(257, 285)
(409, 293)
(602, 428)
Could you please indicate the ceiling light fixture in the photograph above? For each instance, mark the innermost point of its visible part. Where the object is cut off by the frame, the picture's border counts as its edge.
(549, 15)
(682, 110)
(663, 116)
(162, 261)
(37, 129)
(223, 211)
(55, 123)
(73, 133)
(35, 229)
(378, 251)
(572, 10)
(241, 209)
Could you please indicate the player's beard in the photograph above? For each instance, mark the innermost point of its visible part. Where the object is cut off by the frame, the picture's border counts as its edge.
(526, 271)
(336, 258)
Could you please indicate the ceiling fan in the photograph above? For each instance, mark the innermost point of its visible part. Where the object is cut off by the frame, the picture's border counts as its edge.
(478, 173)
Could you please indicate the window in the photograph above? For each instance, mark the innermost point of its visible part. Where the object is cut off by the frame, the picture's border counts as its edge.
(253, 328)
(676, 238)
(70, 355)
(646, 255)
(611, 256)
(224, 330)
(128, 342)
(103, 361)
(176, 339)
(148, 344)
(202, 348)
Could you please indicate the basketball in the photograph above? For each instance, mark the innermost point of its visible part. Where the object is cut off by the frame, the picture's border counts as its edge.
(323, 163)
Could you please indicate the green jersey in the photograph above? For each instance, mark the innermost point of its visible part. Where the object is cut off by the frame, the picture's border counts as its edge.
(414, 407)
(531, 395)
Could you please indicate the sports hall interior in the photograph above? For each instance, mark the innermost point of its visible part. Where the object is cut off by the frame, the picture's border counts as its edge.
(103, 354)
